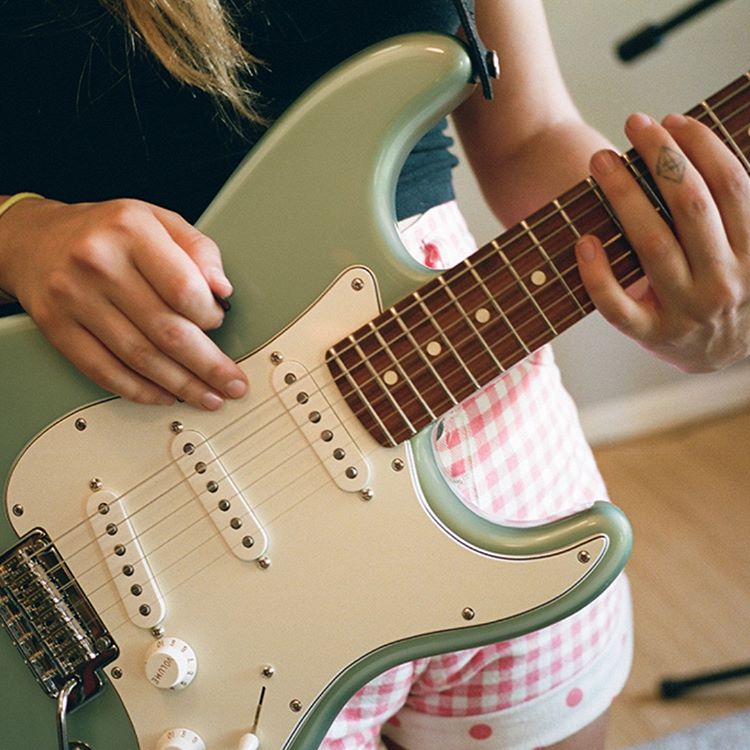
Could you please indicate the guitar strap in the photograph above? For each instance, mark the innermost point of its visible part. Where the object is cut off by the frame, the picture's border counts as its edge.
(485, 61)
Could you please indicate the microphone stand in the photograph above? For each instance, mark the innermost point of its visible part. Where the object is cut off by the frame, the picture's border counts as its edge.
(651, 35)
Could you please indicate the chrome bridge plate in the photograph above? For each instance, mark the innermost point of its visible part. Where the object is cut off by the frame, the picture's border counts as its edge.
(51, 622)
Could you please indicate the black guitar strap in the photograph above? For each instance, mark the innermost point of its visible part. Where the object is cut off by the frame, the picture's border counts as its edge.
(485, 61)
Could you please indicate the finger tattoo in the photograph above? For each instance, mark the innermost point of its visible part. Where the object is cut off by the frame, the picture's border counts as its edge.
(670, 164)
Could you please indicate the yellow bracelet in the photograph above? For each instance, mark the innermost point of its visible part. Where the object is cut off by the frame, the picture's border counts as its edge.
(5, 298)
(10, 202)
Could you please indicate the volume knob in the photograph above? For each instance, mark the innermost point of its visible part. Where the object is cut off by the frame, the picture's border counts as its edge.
(171, 664)
(180, 739)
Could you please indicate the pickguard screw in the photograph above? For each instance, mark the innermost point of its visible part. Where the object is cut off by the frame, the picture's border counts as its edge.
(277, 358)
(268, 671)
(157, 631)
(80, 424)
(468, 613)
(367, 494)
(176, 427)
(295, 705)
(358, 285)
(264, 562)
(397, 464)
(584, 556)
(116, 673)
(95, 484)
(18, 510)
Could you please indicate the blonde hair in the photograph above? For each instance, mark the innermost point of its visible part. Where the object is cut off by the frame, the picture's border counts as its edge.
(196, 41)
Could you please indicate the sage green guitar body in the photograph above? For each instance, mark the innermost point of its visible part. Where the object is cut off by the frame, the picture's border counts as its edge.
(312, 203)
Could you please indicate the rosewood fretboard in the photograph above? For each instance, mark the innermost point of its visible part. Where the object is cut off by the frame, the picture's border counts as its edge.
(443, 342)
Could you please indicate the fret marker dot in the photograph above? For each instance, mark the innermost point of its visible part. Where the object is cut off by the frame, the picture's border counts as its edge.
(391, 377)
(538, 278)
(434, 348)
(482, 315)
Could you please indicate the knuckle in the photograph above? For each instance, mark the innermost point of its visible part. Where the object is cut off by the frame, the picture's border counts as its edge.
(656, 244)
(172, 336)
(140, 355)
(124, 214)
(91, 254)
(735, 183)
(692, 203)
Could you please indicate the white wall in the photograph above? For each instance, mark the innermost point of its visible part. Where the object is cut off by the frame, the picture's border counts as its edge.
(599, 365)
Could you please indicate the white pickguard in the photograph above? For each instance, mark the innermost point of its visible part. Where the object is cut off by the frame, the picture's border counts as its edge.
(347, 576)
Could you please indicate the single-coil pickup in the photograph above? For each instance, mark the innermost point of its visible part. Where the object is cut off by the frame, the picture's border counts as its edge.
(320, 424)
(221, 497)
(124, 556)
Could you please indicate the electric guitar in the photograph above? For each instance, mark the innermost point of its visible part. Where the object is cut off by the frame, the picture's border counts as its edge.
(177, 579)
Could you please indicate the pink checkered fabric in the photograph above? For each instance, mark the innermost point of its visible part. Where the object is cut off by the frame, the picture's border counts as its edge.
(515, 452)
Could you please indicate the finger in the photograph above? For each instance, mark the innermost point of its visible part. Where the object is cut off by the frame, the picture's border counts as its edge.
(651, 237)
(695, 215)
(98, 363)
(201, 248)
(167, 337)
(611, 300)
(724, 174)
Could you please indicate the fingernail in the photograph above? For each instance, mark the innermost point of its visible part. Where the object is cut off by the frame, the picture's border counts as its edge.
(603, 162)
(638, 121)
(674, 120)
(235, 388)
(220, 280)
(586, 249)
(211, 401)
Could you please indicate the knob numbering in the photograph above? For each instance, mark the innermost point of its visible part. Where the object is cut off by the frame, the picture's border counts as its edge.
(180, 739)
(171, 664)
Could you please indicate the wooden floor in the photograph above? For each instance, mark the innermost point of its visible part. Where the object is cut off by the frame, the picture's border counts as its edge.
(687, 494)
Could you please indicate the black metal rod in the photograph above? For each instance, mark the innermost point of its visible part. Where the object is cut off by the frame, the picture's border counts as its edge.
(652, 34)
(673, 688)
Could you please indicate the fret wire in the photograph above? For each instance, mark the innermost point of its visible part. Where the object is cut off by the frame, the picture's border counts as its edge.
(410, 338)
(379, 381)
(643, 181)
(355, 386)
(397, 363)
(523, 286)
(472, 269)
(634, 272)
(544, 253)
(478, 335)
(447, 341)
(593, 188)
(719, 124)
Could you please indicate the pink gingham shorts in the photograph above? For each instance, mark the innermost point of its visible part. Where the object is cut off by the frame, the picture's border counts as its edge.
(514, 451)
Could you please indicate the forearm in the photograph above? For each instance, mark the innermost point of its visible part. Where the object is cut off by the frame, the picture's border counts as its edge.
(538, 170)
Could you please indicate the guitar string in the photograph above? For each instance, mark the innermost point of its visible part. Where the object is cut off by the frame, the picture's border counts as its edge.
(129, 491)
(519, 235)
(190, 499)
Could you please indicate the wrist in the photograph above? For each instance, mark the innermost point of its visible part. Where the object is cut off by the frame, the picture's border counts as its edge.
(7, 204)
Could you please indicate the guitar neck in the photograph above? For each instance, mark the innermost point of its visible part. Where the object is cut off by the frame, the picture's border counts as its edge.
(447, 339)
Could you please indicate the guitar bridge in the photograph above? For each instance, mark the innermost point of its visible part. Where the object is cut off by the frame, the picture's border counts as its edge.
(50, 620)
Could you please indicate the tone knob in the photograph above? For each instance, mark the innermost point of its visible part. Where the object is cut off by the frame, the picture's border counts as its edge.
(180, 739)
(171, 664)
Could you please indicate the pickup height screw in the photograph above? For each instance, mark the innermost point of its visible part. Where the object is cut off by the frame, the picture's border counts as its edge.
(295, 705)
(357, 284)
(397, 464)
(277, 358)
(80, 424)
(116, 673)
(95, 484)
(584, 556)
(18, 510)
(268, 671)
(176, 427)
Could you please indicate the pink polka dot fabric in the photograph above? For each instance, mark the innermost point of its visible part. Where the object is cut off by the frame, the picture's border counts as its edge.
(515, 453)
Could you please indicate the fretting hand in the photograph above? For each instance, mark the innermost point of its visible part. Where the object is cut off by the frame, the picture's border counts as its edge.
(693, 309)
